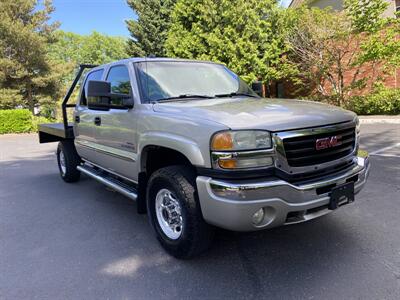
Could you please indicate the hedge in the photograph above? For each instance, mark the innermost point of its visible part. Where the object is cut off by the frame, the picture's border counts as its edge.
(19, 121)
(15, 121)
(381, 102)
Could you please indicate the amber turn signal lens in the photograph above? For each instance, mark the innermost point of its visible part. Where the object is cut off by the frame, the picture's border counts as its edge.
(227, 163)
(222, 141)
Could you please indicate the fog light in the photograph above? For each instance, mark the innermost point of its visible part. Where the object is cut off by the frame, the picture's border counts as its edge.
(258, 216)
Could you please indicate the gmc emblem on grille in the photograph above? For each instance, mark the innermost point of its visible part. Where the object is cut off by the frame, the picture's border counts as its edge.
(328, 142)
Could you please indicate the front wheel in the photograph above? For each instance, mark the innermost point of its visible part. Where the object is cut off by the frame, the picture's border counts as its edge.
(175, 214)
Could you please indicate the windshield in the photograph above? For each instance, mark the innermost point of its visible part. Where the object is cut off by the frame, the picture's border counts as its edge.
(162, 80)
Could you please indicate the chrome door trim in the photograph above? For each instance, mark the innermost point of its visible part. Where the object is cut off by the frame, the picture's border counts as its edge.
(117, 153)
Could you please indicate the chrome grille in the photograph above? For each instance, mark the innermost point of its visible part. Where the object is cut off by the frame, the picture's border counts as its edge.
(301, 151)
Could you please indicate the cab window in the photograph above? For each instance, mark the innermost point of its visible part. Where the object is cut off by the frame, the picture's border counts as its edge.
(118, 77)
(95, 75)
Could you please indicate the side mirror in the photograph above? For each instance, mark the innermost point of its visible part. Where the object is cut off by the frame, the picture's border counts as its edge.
(98, 89)
(257, 87)
(100, 97)
(127, 102)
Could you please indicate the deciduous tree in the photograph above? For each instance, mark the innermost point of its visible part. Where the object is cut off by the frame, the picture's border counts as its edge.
(95, 48)
(341, 53)
(72, 49)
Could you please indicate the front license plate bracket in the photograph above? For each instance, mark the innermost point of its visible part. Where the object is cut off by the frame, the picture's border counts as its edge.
(341, 195)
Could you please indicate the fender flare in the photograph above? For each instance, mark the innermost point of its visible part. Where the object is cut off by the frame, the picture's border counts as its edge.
(183, 145)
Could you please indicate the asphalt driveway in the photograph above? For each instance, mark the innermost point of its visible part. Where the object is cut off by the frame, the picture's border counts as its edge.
(83, 241)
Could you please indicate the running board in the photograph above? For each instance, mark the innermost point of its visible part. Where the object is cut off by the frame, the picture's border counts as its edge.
(110, 181)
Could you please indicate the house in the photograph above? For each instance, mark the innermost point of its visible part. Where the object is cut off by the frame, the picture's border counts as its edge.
(394, 5)
(391, 80)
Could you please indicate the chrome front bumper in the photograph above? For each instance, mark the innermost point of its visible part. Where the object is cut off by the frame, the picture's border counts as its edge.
(231, 205)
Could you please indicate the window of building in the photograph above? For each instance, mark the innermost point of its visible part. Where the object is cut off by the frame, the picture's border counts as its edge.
(280, 93)
(397, 3)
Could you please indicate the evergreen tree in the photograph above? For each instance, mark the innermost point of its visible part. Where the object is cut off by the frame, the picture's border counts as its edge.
(26, 75)
(149, 31)
(249, 36)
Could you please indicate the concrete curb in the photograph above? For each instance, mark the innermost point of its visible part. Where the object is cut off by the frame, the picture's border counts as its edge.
(379, 119)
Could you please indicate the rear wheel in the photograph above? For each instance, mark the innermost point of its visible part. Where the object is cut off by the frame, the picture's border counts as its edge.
(175, 214)
(68, 159)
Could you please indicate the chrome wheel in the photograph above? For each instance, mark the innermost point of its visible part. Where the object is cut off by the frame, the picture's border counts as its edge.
(63, 166)
(169, 215)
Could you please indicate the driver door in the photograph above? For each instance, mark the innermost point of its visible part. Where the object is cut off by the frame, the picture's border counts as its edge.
(115, 131)
(84, 128)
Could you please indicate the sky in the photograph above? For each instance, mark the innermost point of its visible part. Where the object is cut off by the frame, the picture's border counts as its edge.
(285, 3)
(104, 16)
(85, 16)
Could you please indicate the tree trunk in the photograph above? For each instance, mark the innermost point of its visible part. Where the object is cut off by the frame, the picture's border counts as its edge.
(267, 92)
(29, 98)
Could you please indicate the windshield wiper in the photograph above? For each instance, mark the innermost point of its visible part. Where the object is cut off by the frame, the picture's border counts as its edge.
(183, 96)
(235, 94)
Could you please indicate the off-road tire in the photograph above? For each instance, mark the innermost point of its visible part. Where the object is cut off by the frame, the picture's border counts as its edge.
(196, 235)
(72, 160)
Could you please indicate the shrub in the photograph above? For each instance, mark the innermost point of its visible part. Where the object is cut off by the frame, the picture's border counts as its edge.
(15, 121)
(382, 101)
(19, 121)
(36, 120)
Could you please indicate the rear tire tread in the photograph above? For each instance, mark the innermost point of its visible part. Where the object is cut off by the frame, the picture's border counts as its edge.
(72, 160)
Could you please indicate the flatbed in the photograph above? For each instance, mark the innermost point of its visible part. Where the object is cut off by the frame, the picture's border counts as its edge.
(54, 132)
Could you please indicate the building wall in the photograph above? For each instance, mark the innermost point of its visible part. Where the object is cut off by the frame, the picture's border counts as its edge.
(335, 4)
(296, 3)
(390, 80)
(390, 11)
(338, 5)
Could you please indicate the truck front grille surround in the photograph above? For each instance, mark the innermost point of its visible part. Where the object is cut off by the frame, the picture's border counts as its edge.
(302, 151)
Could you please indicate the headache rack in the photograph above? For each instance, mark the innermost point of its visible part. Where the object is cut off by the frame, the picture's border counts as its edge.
(55, 132)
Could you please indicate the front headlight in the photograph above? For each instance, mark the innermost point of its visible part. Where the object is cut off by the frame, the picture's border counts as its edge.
(244, 149)
(241, 140)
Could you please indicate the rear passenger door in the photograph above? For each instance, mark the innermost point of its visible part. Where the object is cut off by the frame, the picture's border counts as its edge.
(84, 127)
(116, 135)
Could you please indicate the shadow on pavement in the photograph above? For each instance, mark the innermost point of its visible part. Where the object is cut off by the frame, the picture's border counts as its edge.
(96, 238)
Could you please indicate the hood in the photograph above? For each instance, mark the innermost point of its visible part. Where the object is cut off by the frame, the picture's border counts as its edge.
(256, 113)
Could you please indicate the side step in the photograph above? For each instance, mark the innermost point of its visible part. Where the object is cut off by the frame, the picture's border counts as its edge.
(110, 181)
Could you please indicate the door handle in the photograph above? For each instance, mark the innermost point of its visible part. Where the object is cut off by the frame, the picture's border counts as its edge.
(97, 121)
(77, 119)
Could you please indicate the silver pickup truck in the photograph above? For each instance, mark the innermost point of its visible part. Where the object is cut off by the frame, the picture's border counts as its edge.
(196, 147)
